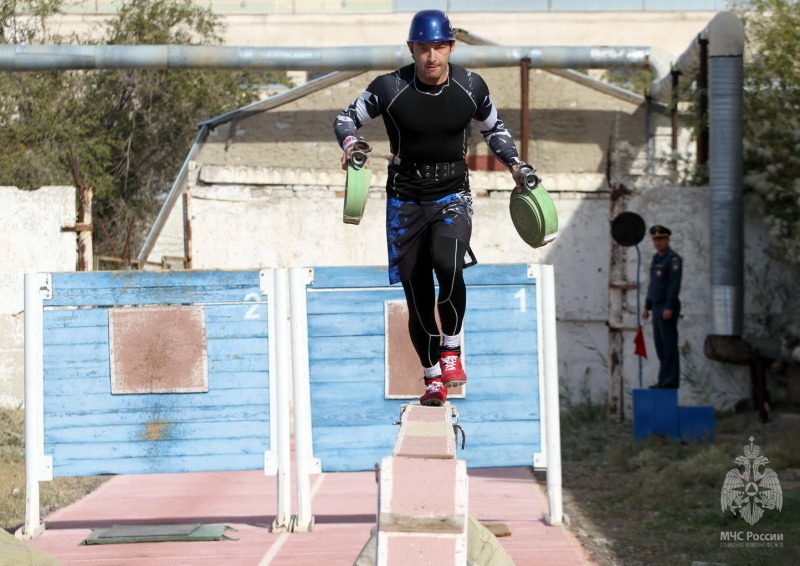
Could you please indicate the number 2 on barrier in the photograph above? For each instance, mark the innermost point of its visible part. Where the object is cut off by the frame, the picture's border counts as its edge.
(252, 313)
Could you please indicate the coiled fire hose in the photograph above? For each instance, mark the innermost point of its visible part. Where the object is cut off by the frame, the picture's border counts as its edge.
(533, 211)
(356, 191)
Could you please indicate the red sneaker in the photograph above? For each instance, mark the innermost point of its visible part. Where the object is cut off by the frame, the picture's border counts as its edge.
(452, 372)
(435, 393)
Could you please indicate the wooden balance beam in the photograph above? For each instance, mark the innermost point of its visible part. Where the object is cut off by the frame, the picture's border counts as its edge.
(422, 515)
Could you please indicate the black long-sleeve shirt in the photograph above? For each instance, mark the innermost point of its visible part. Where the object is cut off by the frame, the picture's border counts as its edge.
(428, 124)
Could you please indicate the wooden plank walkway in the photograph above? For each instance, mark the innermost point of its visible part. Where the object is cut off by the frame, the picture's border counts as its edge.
(344, 508)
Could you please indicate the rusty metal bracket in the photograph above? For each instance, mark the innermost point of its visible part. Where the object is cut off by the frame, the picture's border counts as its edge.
(77, 227)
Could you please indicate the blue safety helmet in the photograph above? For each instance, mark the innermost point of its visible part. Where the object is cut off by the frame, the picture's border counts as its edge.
(430, 25)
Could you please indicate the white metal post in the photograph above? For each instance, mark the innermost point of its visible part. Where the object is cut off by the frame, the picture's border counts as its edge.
(299, 278)
(279, 336)
(37, 287)
(266, 285)
(552, 411)
(540, 458)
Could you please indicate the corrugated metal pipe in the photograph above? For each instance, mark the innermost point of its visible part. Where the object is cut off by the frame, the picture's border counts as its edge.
(63, 57)
(725, 37)
(727, 202)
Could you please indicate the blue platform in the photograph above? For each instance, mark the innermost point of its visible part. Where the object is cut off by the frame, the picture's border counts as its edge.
(656, 413)
(696, 423)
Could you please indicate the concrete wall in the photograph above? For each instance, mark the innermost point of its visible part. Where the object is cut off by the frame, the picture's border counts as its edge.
(32, 242)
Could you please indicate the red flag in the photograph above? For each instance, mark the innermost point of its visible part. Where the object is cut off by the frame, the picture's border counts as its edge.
(640, 350)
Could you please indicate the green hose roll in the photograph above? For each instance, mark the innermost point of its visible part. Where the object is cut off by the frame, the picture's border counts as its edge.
(534, 215)
(356, 193)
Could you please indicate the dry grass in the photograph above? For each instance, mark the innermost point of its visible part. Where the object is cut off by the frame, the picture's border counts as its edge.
(53, 495)
(657, 502)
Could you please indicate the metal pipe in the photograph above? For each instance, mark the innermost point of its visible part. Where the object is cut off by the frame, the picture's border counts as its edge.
(649, 142)
(524, 109)
(686, 64)
(181, 180)
(63, 57)
(728, 33)
(172, 198)
(726, 101)
(702, 104)
(674, 120)
(656, 60)
(724, 37)
(726, 194)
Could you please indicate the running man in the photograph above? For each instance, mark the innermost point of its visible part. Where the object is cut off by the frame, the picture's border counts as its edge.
(427, 108)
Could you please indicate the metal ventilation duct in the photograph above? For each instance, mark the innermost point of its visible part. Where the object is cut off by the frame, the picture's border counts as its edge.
(725, 37)
(361, 58)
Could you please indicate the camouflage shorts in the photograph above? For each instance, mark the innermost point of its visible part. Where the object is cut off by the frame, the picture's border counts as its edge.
(411, 225)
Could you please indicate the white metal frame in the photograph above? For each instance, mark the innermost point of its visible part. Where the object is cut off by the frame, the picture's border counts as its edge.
(286, 289)
(278, 346)
(305, 462)
(39, 466)
(549, 401)
(550, 457)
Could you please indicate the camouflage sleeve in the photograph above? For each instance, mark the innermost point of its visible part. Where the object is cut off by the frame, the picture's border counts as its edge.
(362, 110)
(492, 128)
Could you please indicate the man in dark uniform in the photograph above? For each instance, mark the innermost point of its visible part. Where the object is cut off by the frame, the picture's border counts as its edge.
(427, 108)
(662, 299)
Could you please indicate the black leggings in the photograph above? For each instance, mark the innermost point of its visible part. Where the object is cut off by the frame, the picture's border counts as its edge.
(447, 258)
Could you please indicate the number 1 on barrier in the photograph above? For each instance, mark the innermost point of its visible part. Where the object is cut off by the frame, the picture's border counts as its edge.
(522, 300)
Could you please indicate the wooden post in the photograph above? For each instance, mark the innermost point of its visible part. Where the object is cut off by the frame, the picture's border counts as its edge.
(187, 230)
(617, 289)
(84, 229)
(85, 253)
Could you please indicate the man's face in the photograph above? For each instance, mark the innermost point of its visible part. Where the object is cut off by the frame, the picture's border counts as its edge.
(660, 244)
(431, 60)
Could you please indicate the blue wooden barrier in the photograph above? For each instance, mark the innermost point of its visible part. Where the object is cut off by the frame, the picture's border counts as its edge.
(351, 418)
(88, 430)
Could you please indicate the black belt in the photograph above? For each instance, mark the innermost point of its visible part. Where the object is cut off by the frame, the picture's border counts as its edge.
(435, 171)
